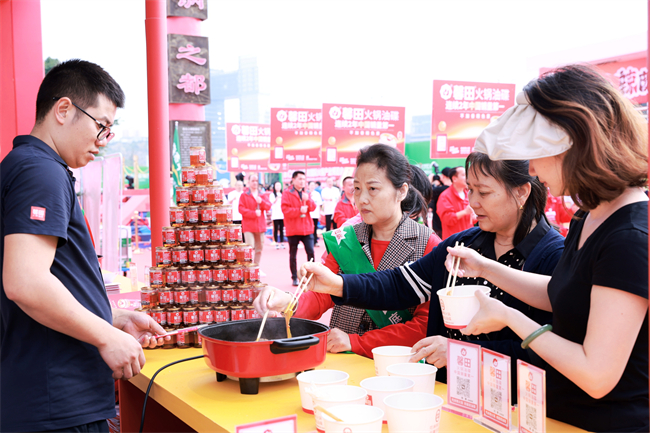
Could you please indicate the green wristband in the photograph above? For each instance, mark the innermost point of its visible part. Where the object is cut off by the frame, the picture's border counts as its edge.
(535, 334)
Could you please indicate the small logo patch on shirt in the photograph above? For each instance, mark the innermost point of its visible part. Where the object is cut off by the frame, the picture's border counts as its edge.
(38, 213)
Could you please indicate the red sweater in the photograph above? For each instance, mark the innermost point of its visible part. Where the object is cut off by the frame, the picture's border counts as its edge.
(343, 211)
(312, 305)
(293, 223)
(247, 207)
(449, 203)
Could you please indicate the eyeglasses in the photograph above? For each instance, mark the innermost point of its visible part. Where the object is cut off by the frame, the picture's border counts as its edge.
(104, 131)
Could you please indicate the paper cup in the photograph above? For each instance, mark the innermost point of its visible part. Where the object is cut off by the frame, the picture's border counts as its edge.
(459, 309)
(424, 375)
(380, 387)
(413, 412)
(336, 395)
(389, 355)
(355, 419)
(315, 379)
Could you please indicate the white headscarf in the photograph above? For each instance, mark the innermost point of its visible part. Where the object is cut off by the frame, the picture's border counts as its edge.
(522, 133)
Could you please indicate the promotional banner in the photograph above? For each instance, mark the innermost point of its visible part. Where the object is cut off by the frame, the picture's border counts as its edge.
(348, 128)
(630, 77)
(295, 135)
(461, 110)
(248, 146)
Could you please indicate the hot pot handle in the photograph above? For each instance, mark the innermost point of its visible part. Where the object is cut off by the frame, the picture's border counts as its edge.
(293, 344)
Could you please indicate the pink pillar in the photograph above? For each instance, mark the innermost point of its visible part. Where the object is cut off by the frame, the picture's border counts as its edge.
(21, 68)
(158, 98)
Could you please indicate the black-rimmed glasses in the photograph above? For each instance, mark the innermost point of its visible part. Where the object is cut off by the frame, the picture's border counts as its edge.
(104, 131)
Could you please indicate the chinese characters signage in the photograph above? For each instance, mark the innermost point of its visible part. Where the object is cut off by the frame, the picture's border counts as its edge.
(189, 69)
(496, 387)
(296, 135)
(461, 110)
(463, 373)
(630, 77)
(531, 398)
(348, 128)
(188, 8)
(247, 146)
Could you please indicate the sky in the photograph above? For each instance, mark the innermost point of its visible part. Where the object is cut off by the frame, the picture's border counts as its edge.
(380, 52)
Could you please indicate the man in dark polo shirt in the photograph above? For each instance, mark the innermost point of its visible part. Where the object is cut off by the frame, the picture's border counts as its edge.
(62, 346)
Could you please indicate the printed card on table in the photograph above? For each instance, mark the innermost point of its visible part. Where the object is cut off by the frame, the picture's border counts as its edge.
(285, 424)
(463, 377)
(495, 389)
(531, 397)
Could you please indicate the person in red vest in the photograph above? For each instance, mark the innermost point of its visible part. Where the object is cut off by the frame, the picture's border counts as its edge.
(453, 206)
(252, 205)
(345, 208)
(299, 227)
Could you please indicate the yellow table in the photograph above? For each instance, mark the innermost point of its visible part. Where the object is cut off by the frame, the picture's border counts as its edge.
(188, 397)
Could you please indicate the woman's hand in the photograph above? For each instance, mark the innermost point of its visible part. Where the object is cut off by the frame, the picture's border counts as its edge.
(491, 316)
(338, 341)
(278, 303)
(323, 280)
(472, 264)
(433, 349)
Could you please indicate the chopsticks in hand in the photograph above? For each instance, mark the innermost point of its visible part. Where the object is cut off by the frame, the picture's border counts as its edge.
(301, 289)
(450, 289)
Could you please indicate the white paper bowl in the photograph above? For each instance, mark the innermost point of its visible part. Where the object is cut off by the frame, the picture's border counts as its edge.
(413, 412)
(424, 375)
(459, 309)
(336, 395)
(389, 355)
(380, 387)
(316, 379)
(355, 418)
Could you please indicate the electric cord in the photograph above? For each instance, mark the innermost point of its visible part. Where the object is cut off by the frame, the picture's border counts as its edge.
(146, 395)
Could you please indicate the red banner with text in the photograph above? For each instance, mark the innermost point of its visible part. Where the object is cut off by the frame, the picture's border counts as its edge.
(348, 128)
(248, 146)
(295, 136)
(461, 110)
(630, 77)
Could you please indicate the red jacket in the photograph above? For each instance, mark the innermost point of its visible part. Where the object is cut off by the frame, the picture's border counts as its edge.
(247, 207)
(449, 203)
(312, 305)
(295, 225)
(343, 211)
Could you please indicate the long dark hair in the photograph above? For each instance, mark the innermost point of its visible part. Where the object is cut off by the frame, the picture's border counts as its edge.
(513, 174)
(420, 181)
(398, 171)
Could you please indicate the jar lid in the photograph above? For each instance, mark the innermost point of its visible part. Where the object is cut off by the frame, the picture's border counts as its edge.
(188, 268)
(171, 268)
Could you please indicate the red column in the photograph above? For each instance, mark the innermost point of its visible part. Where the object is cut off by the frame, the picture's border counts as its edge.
(158, 99)
(21, 68)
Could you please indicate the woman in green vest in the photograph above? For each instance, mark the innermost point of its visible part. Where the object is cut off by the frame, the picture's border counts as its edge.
(386, 238)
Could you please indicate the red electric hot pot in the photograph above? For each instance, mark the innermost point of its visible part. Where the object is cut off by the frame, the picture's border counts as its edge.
(230, 349)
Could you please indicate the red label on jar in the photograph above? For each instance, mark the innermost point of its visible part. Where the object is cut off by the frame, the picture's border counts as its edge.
(218, 234)
(192, 216)
(213, 296)
(186, 236)
(219, 276)
(252, 274)
(245, 295)
(237, 315)
(163, 257)
(173, 277)
(206, 316)
(182, 196)
(181, 338)
(202, 236)
(229, 214)
(213, 255)
(228, 255)
(252, 314)
(190, 317)
(165, 297)
(221, 316)
(204, 276)
(228, 295)
(181, 296)
(188, 276)
(160, 317)
(234, 234)
(207, 215)
(174, 318)
(188, 176)
(194, 296)
(196, 256)
(145, 298)
(179, 257)
(199, 195)
(177, 216)
(156, 277)
(236, 275)
(169, 237)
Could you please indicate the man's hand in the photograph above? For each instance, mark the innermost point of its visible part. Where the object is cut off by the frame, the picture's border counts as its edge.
(142, 327)
(122, 353)
(324, 280)
(304, 209)
(258, 199)
(433, 349)
(338, 341)
(258, 212)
